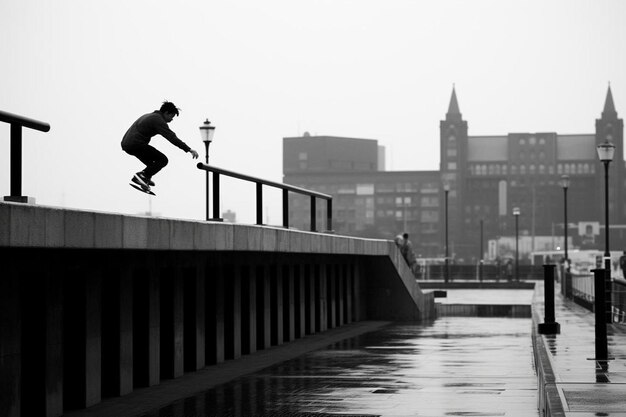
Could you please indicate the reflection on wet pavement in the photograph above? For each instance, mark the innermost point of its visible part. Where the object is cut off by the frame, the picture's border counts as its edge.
(455, 366)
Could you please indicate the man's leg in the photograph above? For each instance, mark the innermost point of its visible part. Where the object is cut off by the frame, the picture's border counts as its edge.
(151, 157)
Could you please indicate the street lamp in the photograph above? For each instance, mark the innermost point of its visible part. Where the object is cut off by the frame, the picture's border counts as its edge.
(206, 133)
(606, 151)
(565, 185)
(446, 190)
(516, 213)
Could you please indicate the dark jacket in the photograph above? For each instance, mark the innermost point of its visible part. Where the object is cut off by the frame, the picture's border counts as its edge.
(146, 127)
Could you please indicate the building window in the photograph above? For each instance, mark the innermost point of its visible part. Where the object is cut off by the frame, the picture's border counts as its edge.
(532, 141)
(303, 156)
(522, 142)
(365, 189)
(522, 169)
(451, 152)
(451, 166)
(542, 141)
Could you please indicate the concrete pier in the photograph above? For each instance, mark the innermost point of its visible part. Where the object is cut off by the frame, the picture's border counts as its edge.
(108, 304)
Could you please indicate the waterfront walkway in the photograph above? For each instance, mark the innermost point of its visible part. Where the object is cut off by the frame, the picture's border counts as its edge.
(453, 366)
(579, 385)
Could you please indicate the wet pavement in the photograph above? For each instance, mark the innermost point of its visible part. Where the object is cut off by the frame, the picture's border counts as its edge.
(454, 366)
(586, 387)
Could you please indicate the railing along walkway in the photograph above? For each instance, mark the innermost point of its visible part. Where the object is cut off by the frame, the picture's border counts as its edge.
(286, 188)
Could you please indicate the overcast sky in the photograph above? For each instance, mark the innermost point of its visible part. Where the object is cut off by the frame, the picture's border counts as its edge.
(264, 70)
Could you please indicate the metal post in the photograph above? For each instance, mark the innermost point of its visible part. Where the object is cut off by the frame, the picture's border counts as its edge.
(607, 253)
(313, 214)
(329, 214)
(480, 259)
(286, 209)
(565, 225)
(549, 326)
(447, 263)
(206, 146)
(517, 248)
(599, 306)
(16, 160)
(216, 196)
(259, 203)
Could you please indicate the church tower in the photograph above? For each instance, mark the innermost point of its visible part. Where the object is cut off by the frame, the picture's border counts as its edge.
(611, 128)
(453, 161)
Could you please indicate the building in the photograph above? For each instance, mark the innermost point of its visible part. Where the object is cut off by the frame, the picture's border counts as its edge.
(489, 175)
(486, 177)
(366, 201)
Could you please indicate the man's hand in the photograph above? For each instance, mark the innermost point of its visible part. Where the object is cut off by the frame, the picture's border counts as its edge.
(194, 154)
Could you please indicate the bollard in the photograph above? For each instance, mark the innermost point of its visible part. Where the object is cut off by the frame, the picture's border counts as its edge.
(550, 326)
(599, 276)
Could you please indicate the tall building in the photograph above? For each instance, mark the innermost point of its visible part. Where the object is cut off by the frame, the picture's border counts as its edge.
(489, 175)
(486, 176)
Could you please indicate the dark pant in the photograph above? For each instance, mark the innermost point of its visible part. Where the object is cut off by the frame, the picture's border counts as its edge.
(154, 159)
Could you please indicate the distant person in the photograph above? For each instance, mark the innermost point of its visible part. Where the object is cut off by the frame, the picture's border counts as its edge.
(407, 252)
(622, 264)
(137, 138)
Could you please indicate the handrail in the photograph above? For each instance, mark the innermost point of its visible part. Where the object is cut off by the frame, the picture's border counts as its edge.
(17, 122)
(259, 195)
(23, 121)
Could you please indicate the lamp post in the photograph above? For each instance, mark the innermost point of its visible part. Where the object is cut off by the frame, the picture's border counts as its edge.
(446, 190)
(565, 185)
(516, 213)
(606, 151)
(480, 258)
(206, 132)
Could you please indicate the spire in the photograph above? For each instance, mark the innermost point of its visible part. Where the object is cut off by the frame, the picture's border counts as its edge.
(453, 109)
(609, 106)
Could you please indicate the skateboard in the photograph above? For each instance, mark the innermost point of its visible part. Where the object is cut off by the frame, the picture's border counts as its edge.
(139, 188)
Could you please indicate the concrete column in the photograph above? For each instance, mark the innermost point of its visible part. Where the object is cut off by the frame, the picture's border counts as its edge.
(251, 329)
(82, 339)
(236, 309)
(219, 295)
(331, 290)
(154, 329)
(288, 300)
(349, 292)
(146, 326)
(263, 272)
(276, 304)
(301, 301)
(10, 348)
(194, 316)
(323, 296)
(341, 280)
(171, 332)
(117, 331)
(310, 281)
(358, 302)
(54, 345)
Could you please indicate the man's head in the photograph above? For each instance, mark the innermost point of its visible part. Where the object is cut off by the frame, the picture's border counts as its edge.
(405, 236)
(169, 110)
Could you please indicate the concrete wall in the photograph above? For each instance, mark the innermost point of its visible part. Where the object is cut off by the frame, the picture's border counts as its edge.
(96, 305)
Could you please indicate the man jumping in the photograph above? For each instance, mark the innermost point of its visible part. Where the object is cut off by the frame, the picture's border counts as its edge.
(137, 138)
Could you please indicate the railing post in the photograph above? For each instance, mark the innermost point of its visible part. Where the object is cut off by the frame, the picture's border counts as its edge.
(329, 214)
(259, 203)
(313, 214)
(16, 160)
(549, 326)
(216, 196)
(285, 208)
(599, 277)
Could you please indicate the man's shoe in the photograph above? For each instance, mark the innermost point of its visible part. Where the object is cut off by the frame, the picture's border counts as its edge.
(144, 178)
(140, 180)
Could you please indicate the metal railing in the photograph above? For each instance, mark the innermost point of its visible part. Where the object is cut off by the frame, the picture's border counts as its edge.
(581, 289)
(17, 122)
(286, 188)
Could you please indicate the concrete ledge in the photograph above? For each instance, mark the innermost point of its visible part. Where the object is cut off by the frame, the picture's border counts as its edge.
(484, 310)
